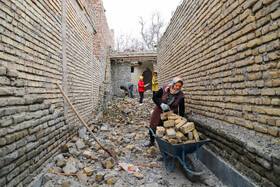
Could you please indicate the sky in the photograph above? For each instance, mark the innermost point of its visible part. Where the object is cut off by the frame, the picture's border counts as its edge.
(123, 15)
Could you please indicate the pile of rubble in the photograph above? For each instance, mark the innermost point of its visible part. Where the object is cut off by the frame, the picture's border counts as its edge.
(176, 129)
(82, 162)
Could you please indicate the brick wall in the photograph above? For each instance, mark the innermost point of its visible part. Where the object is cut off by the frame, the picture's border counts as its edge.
(227, 52)
(43, 43)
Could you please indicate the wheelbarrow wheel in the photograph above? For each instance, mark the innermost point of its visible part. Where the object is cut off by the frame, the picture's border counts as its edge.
(194, 165)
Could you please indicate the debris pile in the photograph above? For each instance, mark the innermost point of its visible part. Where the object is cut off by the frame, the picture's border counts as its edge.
(176, 129)
(82, 162)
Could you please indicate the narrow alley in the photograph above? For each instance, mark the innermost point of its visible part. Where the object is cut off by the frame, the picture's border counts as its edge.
(209, 89)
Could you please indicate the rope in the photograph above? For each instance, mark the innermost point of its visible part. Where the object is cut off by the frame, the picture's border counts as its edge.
(148, 165)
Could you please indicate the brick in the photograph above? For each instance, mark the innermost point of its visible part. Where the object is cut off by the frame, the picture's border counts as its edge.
(275, 101)
(12, 73)
(269, 37)
(168, 124)
(188, 127)
(171, 133)
(174, 117)
(160, 130)
(272, 111)
(177, 127)
(268, 92)
(248, 4)
(180, 136)
(6, 91)
(195, 134)
(250, 19)
(275, 14)
(260, 128)
(248, 125)
(255, 76)
(273, 56)
(173, 141)
(3, 70)
(254, 43)
(273, 131)
(178, 121)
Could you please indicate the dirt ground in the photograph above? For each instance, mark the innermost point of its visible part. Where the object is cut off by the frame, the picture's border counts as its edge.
(122, 126)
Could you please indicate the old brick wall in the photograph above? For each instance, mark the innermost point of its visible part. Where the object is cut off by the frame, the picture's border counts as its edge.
(227, 51)
(43, 43)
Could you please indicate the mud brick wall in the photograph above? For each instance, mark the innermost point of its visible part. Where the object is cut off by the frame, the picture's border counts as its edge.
(227, 52)
(43, 43)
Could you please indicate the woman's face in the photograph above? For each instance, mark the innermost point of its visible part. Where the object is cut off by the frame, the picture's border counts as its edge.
(155, 74)
(177, 86)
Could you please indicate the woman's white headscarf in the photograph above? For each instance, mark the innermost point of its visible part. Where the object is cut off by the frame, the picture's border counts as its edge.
(171, 85)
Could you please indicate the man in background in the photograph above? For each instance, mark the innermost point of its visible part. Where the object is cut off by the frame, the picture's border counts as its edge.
(128, 89)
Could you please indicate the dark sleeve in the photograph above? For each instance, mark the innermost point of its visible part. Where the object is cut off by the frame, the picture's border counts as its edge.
(157, 97)
(182, 107)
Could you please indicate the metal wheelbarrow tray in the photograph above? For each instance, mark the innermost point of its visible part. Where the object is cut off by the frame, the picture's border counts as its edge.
(179, 151)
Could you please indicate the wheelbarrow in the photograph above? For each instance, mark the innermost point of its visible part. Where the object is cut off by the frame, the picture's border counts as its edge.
(180, 151)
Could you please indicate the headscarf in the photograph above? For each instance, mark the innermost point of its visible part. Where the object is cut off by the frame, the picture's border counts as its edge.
(140, 77)
(173, 82)
(156, 73)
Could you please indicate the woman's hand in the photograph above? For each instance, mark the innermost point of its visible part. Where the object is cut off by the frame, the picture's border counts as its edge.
(164, 107)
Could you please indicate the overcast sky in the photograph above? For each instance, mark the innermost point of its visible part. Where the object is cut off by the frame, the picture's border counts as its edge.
(123, 15)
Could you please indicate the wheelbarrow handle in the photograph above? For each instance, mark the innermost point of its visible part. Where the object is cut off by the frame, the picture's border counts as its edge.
(151, 130)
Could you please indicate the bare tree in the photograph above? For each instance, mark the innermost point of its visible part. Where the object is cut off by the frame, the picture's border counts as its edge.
(152, 33)
(126, 42)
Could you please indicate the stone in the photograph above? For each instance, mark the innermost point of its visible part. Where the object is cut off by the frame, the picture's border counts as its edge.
(99, 176)
(151, 185)
(69, 168)
(61, 163)
(152, 150)
(210, 182)
(88, 171)
(82, 177)
(64, 149)
(188, 127)
(138, 175)
(66, 184)
(80, 145)
(88, 154)
(108, 163)
(111, 181)
(129, 147)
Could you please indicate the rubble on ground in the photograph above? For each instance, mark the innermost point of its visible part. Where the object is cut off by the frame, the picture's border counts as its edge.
(82, 162)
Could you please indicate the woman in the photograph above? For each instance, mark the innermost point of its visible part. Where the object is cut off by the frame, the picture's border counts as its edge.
(167, 98)
(154, 83)
(141, 89)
